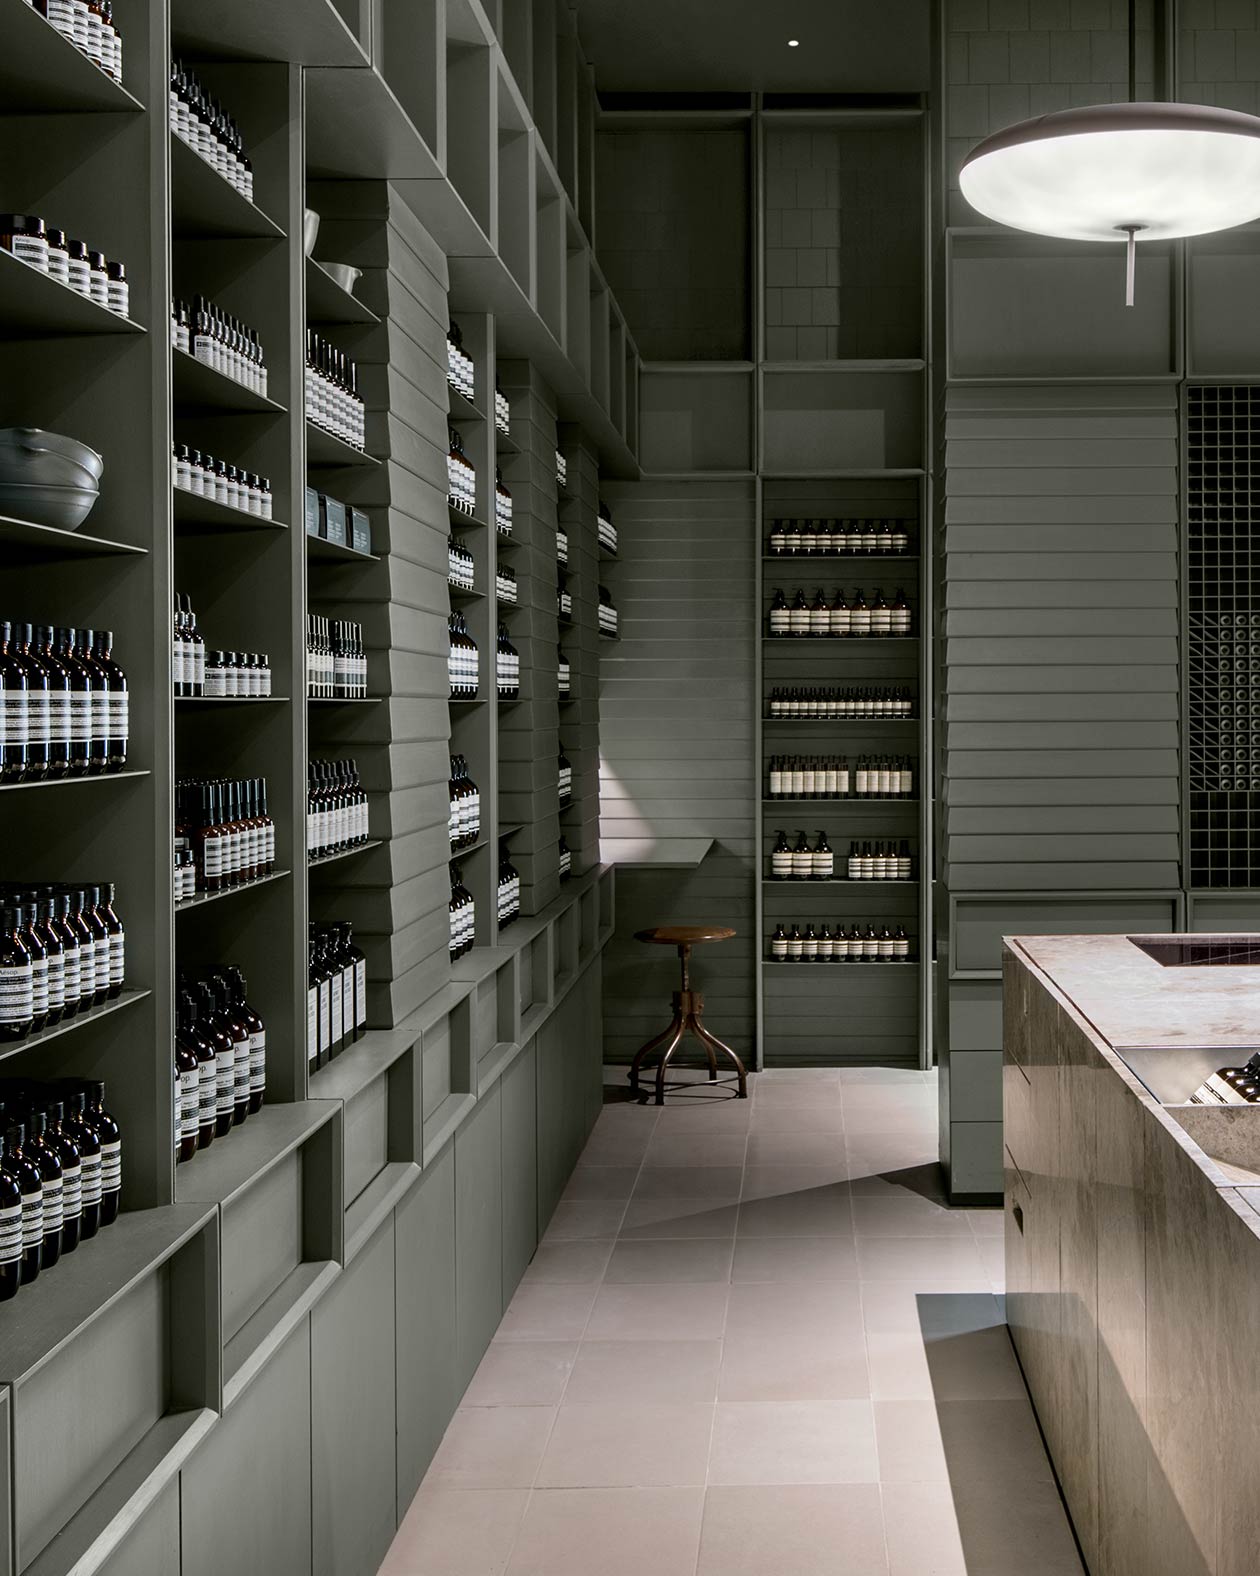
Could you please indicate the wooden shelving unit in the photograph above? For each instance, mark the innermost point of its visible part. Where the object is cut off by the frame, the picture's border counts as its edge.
(214, 1308)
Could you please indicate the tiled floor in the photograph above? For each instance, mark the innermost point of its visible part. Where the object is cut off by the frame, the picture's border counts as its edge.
(753, 1343)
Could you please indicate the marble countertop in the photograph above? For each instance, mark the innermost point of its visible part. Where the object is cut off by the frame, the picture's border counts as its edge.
(1130, 999)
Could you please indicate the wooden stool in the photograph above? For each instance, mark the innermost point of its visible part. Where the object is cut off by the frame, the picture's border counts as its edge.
(688, 1011)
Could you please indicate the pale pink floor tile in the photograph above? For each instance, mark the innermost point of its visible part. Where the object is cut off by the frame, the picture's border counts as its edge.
(758, 1442)
(457, 1532)
(623, 1445)
(670, 1261)
(492, 1447)
(522, 1373)
(610, 1532)
(659, 1313)
(793, 1530)
(635, 1372)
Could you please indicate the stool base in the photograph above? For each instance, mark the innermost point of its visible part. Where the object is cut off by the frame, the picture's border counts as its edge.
(688, 1019)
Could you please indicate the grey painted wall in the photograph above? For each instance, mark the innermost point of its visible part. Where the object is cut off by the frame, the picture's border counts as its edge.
(677, 720)
(673, 226)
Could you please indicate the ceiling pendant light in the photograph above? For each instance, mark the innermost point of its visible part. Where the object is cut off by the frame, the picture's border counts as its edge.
(1120, 172)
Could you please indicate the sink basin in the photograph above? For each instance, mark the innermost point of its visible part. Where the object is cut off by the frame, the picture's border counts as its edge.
(1195, 952)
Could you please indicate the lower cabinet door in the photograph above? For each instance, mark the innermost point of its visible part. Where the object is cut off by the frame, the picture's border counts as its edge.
(353, 1458)
(151, 1548)
(246, 1493)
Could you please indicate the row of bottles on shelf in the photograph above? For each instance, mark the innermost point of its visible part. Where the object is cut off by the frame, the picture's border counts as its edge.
(460, 372)
(198, 119)
(855, 945)
(460, 570)
(829, 777)
(562, 470)
(505, 588)
(336, 661)
(507, 666)
(219, 341)
(196, 471)
(461, 476)
(89, 25)
(220, 1060)
(60, 1173)
(224, 836)
(564, 675)
(502, 411)
(502, 505)
(336, 992)
(562, 547)
(463, 916)
(604, 525)
(840, 704)
(71, 262)
(461, 660)
(64, 705)
(333, 402)
(879, 861)
(564, 599)
(607, 613)
(336, 808)
(509, 889)
(464, 824)
(62, 951)
(564, 778)
(220, 675)
(856, 617)
(566, 859)
(828, 537)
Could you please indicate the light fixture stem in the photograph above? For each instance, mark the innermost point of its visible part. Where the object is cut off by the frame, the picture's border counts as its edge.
(1130, 262)
(1132, 51)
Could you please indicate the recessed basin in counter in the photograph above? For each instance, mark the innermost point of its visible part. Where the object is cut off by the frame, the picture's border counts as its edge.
(1197, 952)
(1228, 1134)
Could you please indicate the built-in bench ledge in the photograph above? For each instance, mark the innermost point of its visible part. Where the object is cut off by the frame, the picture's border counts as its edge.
(662, 853)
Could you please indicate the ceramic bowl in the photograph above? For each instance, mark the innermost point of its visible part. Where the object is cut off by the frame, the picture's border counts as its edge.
(310, 229)
(344, 274)
(32, 458)
(64, 507)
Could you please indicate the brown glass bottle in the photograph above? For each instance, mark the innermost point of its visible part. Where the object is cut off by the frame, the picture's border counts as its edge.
(67, 1151)
(45, 647)
(257, 1038)
(107, 1130)
(10, 1228)
(230, 1018)
(100, 944)
(13, 699)
(118, 715)
(16, 976)
(80, 701)
(115, 936)
(187, 1084)
(98, 700)
(31, 1186)
(37, 714)
(224, 1056)
(88, 1143)
(49, 933)
(41, 1152)
(207, 1069)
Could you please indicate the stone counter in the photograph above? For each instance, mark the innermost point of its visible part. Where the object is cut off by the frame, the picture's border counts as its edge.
(1133, 1248)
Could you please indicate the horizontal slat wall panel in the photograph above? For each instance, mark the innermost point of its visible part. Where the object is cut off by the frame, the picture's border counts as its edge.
(677, 722)
(1061, 660)
(1060, 706)
(402, 744)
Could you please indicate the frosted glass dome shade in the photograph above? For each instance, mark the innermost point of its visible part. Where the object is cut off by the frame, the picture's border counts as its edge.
(1094, 174)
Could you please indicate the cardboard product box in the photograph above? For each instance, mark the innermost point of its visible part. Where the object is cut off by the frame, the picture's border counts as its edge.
(360, 531)
(336, 516)
(313, 512)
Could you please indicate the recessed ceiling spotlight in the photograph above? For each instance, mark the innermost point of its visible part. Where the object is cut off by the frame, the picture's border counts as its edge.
(794, 43)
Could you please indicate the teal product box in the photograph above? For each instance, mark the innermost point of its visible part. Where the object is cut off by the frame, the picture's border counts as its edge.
(336, 516)
(360, 531)
(312, 512)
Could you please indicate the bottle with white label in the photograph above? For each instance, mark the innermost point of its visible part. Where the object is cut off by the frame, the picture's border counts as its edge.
(109, 1135)
(10, 1228)
(30, 1183)
(257, 1037)
(781, 858)
(43, 1155)
(1230, 1085)
(17, 976)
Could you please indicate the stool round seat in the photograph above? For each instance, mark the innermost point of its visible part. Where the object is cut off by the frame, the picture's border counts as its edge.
(683, 935)
(688, 1010)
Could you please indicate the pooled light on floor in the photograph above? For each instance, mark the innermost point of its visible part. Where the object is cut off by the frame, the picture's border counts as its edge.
(1120, 172)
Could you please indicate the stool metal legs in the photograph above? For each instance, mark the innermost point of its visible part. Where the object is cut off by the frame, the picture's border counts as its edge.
(688, 1019)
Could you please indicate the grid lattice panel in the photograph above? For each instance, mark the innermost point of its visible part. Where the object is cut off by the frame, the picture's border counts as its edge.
(1223, 660)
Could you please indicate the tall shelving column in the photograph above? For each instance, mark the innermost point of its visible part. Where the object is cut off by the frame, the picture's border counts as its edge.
(243, 573)
(843, 435)
(90, 156)
(578, 505)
